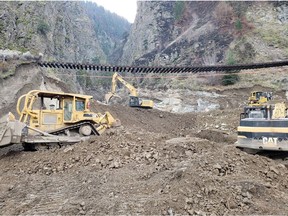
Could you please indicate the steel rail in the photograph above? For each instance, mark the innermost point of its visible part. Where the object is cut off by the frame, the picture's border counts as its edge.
(144, 69)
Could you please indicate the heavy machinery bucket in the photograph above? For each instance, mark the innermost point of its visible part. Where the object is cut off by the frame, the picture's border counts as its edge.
(109, 95)
(10, 130)
(107, 121)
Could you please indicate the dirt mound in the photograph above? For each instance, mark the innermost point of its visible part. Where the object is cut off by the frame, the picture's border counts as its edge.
(217, 136)
(156, 163)
(151, 120)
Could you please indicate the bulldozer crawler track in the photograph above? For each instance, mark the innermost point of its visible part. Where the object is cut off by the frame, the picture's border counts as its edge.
(143, 69)
(41, 146)
(75, 126)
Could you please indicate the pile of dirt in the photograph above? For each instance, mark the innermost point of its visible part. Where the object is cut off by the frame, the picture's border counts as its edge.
(155, 163)
(152, 120)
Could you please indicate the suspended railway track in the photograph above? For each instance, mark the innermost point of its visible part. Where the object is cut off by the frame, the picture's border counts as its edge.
(156, 69)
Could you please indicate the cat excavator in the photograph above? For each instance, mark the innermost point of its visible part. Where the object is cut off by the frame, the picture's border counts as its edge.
(263, 124)
(48, 117)
(134, 100)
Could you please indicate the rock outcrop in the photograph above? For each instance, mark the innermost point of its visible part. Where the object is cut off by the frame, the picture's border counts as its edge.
(207, 33)
(59, 30)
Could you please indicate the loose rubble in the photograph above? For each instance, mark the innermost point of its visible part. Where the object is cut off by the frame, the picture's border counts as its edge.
(155, 163)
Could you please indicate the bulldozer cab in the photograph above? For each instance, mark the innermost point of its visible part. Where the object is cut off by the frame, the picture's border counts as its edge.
(259, 112)
(52, 117)
(50, 110)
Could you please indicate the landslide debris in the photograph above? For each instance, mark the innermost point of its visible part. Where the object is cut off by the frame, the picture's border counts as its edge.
(155, 163)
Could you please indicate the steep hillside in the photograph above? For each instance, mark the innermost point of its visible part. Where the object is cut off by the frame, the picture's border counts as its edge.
(190, 32)
(164, 33)
(59, 30)
(53, 31)
(109, 27)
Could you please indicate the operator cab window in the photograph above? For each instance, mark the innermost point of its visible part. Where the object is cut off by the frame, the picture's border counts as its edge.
(80, 105)
(68, 107)
(256, 114)
(258, 95)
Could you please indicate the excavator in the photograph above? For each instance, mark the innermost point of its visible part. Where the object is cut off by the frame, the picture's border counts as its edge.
(263, 125)
(134, 100)
(48, 117)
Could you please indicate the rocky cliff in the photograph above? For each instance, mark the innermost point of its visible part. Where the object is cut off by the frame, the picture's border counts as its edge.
(202, 33)
(59, 30)
(164, 33)
(53, 31)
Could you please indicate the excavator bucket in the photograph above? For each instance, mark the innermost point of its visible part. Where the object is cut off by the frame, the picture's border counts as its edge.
(10, 130)
(109, 95)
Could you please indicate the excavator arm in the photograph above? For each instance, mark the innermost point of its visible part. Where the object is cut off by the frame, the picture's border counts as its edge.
(117, 77)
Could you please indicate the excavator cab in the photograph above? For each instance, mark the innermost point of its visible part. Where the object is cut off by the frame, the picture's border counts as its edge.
(134, 101)
(138, 102)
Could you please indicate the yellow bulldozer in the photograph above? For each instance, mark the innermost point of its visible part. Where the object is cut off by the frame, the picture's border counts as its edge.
(258, 98)
(52, 117)
(134, 100)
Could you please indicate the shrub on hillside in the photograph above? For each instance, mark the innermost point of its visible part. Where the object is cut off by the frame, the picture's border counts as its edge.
(179, 9)
(43, 27)
(230, 79)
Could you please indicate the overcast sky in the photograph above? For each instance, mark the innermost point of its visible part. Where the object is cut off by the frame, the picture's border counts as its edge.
(124, 8)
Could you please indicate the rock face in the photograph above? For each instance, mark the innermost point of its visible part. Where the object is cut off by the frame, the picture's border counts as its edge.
(26, 78)
(52, 31)
(206, 33)
(110, 29)
(60, 30)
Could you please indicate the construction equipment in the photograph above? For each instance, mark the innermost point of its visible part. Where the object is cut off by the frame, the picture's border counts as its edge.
(52, 117)
(134, 100)
(264, 127)
(258, 98)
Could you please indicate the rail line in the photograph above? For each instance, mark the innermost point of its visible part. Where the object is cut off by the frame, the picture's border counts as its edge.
(158, 69)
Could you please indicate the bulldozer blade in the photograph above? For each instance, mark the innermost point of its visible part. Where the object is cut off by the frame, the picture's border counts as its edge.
(116, 123)
(10, 130)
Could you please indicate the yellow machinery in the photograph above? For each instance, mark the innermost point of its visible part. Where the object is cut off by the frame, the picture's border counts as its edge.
(258, 98)
(134, 100)
(264, 128)
(52, 117)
